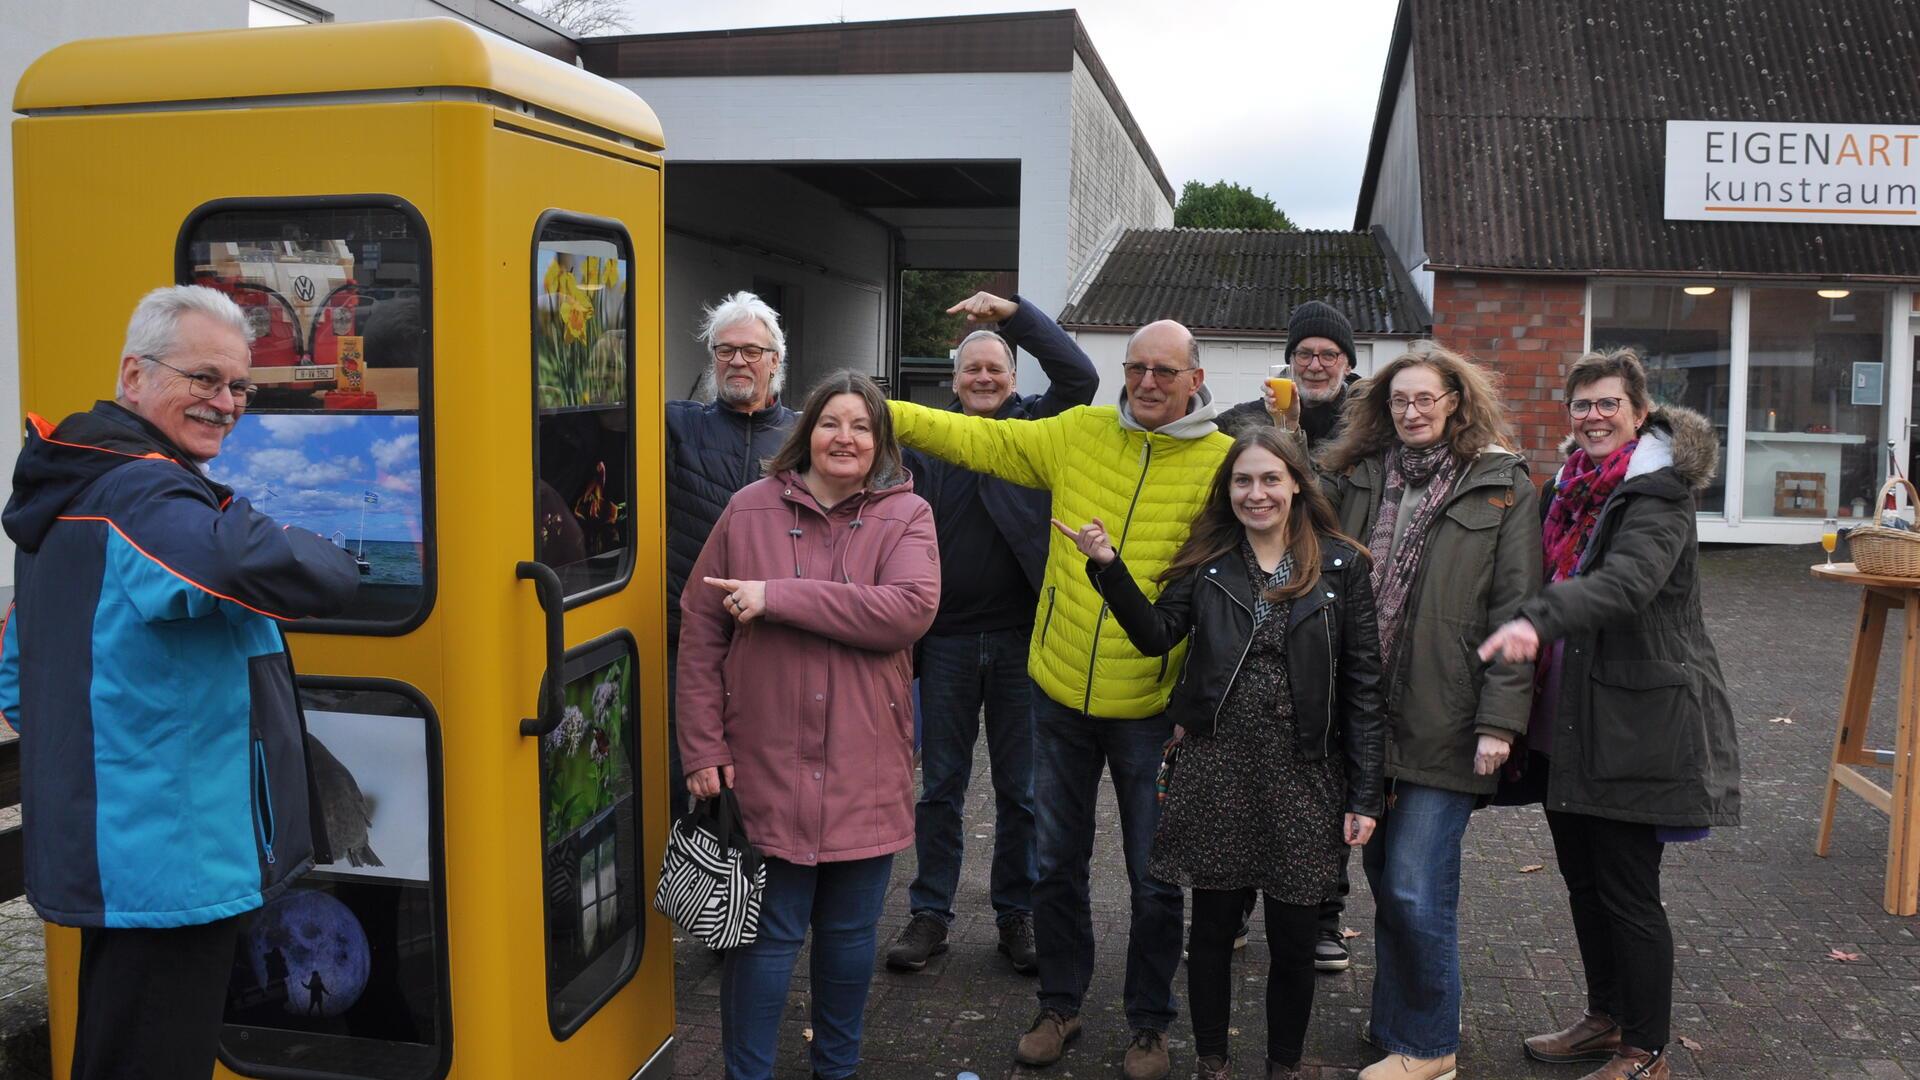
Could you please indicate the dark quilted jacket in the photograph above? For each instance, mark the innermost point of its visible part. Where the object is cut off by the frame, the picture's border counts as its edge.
(712, 452)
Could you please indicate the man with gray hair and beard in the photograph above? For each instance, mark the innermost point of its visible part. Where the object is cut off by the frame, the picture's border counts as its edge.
(163, 755)
(993, 554)
(714, 448)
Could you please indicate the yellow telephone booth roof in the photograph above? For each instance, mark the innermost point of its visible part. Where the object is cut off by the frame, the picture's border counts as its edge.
(329, 59)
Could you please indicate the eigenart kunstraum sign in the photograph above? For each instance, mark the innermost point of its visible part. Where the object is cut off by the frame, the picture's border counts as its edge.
(1861, 174)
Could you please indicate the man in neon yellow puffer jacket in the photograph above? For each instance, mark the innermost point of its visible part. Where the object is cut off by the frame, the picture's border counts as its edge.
(1144, 468)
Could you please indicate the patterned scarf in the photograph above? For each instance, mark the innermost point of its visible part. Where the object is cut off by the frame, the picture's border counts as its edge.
(1582, 490)
(1264, 608)
(1438, 469)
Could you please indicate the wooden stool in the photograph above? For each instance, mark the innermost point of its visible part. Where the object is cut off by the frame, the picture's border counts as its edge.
(1878, 596)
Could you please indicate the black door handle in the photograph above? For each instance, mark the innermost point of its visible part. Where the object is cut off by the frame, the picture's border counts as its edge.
(546, 585)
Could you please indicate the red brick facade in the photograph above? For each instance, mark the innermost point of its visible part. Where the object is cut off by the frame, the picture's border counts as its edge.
(1528, 330)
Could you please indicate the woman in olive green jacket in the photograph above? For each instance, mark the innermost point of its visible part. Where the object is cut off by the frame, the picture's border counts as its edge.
(1423, 476)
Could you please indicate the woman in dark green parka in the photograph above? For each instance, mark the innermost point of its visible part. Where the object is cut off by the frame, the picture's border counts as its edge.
(1631, 725)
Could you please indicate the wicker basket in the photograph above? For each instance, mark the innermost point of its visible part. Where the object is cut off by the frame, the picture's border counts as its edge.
(1887, 552)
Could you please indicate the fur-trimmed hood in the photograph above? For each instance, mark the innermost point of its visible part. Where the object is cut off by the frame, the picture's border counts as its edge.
(1673, 436)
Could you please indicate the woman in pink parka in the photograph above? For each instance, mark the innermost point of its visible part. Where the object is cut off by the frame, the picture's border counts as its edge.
(795, 662)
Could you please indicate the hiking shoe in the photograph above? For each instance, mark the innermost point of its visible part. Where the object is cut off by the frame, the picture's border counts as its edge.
(1016, 943)
(1405, 1067)
(923, 939)
(1593, 1037)
(1632, 1063)
(1213, 1068)
(1330, 952)
(1047, 1039)
(1147, 1057)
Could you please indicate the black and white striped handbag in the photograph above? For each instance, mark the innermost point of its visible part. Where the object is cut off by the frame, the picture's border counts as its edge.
(711, 880)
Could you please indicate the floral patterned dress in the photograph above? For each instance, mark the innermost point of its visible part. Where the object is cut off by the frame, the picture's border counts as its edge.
(1244, 808)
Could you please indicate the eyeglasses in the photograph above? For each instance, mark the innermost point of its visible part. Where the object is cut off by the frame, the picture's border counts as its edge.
(1136, 372)
(206, 386)
(1605, 406)
(1422, 403)
(1326, 357)
(749, 353)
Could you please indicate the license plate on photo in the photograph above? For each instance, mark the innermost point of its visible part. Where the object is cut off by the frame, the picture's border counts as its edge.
(304, 374)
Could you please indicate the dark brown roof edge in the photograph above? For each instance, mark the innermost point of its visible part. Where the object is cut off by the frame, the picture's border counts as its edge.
(1683, 275)
(1397, 52)
(1083, 44)
(809, 28)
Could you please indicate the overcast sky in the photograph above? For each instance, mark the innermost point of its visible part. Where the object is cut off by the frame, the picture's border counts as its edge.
(1274, 94)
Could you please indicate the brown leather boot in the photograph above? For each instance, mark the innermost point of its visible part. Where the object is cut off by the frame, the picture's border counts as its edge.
(1213, 1068)
(1147, 1057)
(1593, 1037)
(1047, 1039)
(1632, 1063)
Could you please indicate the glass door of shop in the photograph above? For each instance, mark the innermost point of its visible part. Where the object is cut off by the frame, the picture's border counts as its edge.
(582, 519)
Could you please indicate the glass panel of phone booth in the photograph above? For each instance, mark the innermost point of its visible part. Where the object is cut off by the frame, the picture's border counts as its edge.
(589, 833)
(334, 296)
(582, 360)
(344, 973)
(583, 385)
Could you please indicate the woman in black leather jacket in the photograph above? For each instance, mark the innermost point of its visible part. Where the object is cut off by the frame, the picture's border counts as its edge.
(1279, 738)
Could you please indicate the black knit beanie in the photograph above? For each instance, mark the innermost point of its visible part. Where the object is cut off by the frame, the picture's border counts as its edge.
(1315, 319)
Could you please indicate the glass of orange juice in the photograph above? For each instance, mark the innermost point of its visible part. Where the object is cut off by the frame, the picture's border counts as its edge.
(1282, 388)
(1830, 538)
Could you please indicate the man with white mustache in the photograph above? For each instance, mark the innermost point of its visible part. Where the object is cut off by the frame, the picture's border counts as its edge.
(715, 447)
(164, 757)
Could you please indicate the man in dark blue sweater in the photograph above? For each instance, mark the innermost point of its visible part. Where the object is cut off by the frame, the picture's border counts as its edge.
(993, 556)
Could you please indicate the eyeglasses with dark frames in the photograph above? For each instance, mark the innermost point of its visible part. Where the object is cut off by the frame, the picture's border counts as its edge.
(206, 386)
(1138, 371)
(1605, 406)
(1422, 403)
(1326, 357)
(749, 353)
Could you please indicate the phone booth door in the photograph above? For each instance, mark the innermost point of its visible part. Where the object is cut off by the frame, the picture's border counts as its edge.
(582, 517)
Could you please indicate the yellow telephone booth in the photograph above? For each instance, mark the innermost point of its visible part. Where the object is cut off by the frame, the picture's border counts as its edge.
(448, 249)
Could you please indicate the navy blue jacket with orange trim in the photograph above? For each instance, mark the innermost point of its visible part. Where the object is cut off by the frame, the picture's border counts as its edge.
(163, 755)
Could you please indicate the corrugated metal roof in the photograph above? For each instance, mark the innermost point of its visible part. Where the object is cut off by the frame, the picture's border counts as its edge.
(1247, 281)
(1542, 126)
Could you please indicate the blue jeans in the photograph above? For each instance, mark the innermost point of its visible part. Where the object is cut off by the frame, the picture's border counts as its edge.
(958, 675)
(1070, 749)
(841, 901)
(1413, 866)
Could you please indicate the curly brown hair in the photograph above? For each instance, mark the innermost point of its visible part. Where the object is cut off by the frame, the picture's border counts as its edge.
(1477, 422)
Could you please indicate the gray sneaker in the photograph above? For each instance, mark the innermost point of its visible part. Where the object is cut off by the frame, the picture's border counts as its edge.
(923, 939)
(1330, 952)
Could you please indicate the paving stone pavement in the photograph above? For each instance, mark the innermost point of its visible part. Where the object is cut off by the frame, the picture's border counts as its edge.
(1754, 913)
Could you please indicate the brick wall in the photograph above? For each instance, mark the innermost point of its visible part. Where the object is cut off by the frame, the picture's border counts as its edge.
(1528, 330)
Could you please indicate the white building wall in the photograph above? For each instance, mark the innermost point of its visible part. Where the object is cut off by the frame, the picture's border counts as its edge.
(1396, 193)
(1110, 186)
(831, 264)
(1235, 366)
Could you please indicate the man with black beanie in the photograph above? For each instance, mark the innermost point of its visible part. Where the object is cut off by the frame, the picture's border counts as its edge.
(1320, 348)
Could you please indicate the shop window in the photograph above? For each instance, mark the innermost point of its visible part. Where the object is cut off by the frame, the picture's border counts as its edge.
(338, 307)
(1686, 341)
(583, 395)
(345, 973)
(1815, 388)
(589, 834)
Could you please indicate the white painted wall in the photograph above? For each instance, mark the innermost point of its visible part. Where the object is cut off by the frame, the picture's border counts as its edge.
(1235, 366)
(1396, 192)
(836, 269)
(1110, 185)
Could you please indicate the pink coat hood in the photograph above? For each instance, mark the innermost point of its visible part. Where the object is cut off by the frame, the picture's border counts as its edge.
(809, 703)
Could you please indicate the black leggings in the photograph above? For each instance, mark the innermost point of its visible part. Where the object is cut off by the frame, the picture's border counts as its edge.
(1292, 931)
(1612, 870)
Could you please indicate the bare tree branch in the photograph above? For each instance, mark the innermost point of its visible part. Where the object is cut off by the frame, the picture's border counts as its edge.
(582, 18)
